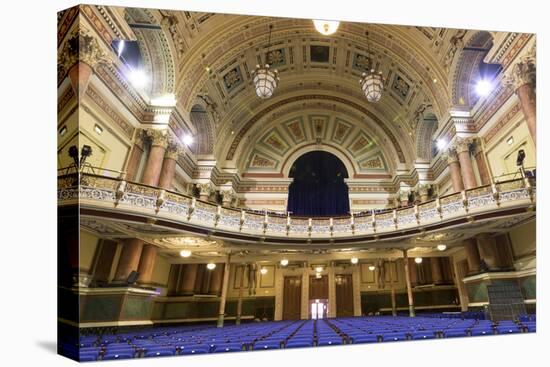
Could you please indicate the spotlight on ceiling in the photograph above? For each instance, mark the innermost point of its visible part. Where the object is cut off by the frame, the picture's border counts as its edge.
(284, 262)
(441, 144)
(263, 271)
(418, 260)
(210, 266)
(483, 87)
(372, 267)
(441, 247)
(354, 260)
(326, 27)
(138, 78)
(185, 253)
(188, 139)
(319, 269)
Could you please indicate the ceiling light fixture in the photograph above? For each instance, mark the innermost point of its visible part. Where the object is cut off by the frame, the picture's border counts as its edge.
(483, 87)
(418, 260)
(326, 27)
(210, 266)
(372, 267)
(188, 139)
(441, 247)
(441, 144)
(354, 260)
(319, 269)
(284, 262)
(372, 83)
(263, 271)
(265, 80)
(185, 253)
(138, 78)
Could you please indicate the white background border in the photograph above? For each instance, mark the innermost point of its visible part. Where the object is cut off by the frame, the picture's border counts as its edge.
(28, 192)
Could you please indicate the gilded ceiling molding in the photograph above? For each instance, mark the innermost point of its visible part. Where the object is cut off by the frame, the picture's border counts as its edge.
(248, 125)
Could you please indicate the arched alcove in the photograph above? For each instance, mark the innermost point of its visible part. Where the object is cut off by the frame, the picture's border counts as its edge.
(204, 141)
(318, 188)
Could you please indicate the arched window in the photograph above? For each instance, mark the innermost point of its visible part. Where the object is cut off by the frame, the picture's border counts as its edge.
(318, 188)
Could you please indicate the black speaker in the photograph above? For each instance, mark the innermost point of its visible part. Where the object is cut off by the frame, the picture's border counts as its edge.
(133, 277)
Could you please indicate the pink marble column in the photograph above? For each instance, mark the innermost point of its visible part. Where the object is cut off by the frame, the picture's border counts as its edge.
(129, 259)
(466, 167)
(79, 75)
(472, 255)
(153, 167)
(454, 170)
(147, 264)
(524, 82)
(168, 170)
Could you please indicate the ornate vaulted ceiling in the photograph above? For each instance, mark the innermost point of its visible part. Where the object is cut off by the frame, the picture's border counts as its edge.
(213, 56)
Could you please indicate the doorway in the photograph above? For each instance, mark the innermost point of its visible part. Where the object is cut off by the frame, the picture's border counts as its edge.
(344, 295)
(318, 309)
(292, 295)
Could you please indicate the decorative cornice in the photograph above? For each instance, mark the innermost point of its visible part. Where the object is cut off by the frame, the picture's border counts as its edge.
(499, 126)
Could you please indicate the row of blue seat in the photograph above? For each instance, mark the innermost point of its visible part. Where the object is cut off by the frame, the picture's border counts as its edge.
(182, 340)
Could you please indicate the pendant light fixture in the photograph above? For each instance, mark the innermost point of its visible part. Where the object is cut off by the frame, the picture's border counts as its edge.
(326, 27)
(372, 83)
(265, 80)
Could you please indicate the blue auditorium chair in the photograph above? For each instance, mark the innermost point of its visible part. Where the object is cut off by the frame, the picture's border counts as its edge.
(88, 357)
(508, 329)
(227, 347)
(481, 330)
(299, 342)
(267, 344)
(118, 354)
(160, 351)
(393, 336)
(530, 326)
(365, 338)
(420, 335)
(331, 340)
(194, 349)
(453, 333)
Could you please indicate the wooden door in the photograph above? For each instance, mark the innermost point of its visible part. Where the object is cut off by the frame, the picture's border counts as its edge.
(318, 287)
(344, 295)
(292, 298)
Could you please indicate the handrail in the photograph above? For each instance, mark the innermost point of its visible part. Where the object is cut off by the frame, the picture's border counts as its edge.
(126, 194)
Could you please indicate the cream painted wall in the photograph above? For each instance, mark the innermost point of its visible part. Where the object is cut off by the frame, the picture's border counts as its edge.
(69, 138)
(108, 150)
(501, 156)
(523, 239)
(88, 246)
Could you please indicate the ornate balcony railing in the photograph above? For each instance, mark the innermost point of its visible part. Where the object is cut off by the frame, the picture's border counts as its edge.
(105, 192)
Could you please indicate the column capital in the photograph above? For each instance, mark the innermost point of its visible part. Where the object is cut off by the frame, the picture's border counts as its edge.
(403, 195)
(228, 195)
(423, 189)
(522, 72)
(462, 145)
(204, 188)
(173, 149)
(451, 155)
(81, 46)
(158, 137)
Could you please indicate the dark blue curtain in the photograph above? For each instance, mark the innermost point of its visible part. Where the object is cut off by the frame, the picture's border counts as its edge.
(318, 188)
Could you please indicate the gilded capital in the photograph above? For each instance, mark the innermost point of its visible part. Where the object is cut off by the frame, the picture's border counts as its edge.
(158, 137)
(523, 72)
(81, 47)
(228, 195)
(462, 145)
(204, 188)
(452, 157)
(173, 149)
(423, 189)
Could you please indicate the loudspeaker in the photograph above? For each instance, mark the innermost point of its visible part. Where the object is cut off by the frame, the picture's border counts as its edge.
(133, 277)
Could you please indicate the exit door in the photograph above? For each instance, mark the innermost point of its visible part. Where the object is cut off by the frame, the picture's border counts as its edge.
(318, 309)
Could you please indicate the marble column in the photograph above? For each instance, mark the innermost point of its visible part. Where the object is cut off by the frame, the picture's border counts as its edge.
(466, 167)
(216, 281)
(105, 261)
(159, 142)
(486, 246)
(240, 296)
(147, 264)
(356, 281)
(437, 275)
(392, 288)
(481, 163)
(408, 283)
(168, 170)
(79, 55)
(462, 293)
(454, 170)
(129, 259)
(332, 311)
(189, 278)
(523, 80)
(225, 286)
(472, 255)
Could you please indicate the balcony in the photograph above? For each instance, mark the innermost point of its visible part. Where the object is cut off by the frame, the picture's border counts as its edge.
(112, 198)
